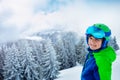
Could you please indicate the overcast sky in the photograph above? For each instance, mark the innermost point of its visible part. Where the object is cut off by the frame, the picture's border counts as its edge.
(22, 17)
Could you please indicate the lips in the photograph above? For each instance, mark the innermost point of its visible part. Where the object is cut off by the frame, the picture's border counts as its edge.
(92, 46)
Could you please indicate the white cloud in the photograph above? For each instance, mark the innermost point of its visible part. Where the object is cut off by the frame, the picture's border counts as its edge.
(76, 15)
(21, 12)
(79, 16)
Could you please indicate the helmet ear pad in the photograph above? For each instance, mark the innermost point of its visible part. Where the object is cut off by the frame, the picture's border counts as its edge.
(87, 36)
(104, 43)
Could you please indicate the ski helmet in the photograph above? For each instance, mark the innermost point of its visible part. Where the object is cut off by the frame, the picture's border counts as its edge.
(99, 31)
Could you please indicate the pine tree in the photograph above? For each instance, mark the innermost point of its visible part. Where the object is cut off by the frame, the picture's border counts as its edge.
(28, 63)
(69, 44)
(81, 50)
(61, 54)
(12, 66)
(113, 43)
(49, 63)
(37, 49)
(2, 57)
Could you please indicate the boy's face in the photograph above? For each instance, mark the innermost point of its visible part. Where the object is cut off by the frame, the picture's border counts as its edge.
(94, 43)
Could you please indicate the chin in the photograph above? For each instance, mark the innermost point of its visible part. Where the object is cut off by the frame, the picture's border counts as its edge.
(93, 48)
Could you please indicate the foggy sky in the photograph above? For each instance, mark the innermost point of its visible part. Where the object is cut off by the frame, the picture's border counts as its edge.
(23, 17)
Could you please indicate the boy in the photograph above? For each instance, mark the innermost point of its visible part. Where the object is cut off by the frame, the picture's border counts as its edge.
(98, 64)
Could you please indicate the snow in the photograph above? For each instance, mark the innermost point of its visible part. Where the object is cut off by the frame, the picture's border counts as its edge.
(116, 67)
(70, 74)
(75, 72)
(33, 38)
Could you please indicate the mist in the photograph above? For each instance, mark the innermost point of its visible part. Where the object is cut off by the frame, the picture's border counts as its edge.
(20, 18)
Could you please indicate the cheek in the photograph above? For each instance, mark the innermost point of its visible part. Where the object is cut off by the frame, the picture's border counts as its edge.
(89, 41)
(99, 44)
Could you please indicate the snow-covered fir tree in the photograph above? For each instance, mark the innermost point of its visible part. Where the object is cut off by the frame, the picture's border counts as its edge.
(12, 70)
(29, 64)
(69, 44)
(20, 63)
(48, 61)
(81, 50)
(2, 57)
(65, 48)
(61, 54)
(113, 43)
(37, 51)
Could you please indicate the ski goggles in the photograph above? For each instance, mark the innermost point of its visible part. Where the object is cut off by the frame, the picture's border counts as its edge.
(95, 32)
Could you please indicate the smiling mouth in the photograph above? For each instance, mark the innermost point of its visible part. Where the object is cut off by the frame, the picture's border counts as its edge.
(93, 46)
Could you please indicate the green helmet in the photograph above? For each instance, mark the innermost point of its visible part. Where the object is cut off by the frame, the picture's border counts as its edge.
(99, 31)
